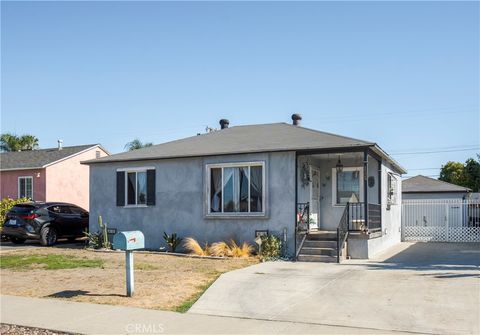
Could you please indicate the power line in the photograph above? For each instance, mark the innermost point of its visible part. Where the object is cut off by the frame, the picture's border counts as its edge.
(433, 152)
(418, 169)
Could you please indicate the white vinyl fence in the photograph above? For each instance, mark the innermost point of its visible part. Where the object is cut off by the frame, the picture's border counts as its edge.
(441, 220)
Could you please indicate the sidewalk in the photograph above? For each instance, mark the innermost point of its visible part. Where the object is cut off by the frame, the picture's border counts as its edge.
(84, 318)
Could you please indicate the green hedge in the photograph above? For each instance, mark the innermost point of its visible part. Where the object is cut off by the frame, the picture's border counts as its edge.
(6, 204)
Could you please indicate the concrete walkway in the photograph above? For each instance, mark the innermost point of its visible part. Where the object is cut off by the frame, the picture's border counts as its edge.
(414, 287)
(84, 318)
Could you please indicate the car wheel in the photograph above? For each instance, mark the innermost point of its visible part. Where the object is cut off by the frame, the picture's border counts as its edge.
(48, 236)
(17, 240)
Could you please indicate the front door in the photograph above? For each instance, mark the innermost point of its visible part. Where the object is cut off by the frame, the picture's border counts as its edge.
(315, 198)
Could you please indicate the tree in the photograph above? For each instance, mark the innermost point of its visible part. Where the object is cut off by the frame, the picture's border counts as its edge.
(11, 142)
(137, 144)
(466, 175)
(472, 171)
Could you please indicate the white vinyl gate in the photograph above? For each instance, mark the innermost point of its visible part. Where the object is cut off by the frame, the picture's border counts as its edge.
(441, 220)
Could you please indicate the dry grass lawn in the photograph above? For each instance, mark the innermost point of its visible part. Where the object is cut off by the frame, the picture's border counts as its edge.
(161, 281)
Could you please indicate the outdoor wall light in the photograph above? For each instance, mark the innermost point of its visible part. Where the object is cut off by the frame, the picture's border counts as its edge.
(38, 174)
(339, 165)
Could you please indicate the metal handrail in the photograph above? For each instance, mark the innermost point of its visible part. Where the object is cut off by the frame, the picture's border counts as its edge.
(303, 217)
(342, 231)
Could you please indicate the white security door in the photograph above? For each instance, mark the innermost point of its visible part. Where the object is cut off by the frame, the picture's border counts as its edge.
(315, 199)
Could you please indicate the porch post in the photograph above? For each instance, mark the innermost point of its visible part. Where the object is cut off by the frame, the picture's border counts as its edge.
(365, 185)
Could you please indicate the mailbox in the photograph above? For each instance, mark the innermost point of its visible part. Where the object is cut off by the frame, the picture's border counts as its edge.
(129, 240)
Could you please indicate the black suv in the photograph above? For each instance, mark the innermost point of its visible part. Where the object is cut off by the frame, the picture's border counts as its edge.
(45, 222)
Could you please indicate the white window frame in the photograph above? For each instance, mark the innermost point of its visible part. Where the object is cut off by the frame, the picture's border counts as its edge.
(135, 170)
(334, 184)
(208, 169)
(18, 185)
(392, 199)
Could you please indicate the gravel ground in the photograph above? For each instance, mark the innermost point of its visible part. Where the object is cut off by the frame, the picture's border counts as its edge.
(19, 330)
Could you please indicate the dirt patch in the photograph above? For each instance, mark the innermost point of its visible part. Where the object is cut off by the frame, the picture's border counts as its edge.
(161, 281)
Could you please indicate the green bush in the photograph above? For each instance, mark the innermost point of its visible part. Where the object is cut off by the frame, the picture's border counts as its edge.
(173, 240)
(270, 247)
(6, 204)
(99, 239)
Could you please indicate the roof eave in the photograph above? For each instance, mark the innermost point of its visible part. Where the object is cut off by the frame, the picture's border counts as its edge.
(381, 152)
(110, 160)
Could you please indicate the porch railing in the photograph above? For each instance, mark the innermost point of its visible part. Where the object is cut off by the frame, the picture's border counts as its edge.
(342, 232)
(303, 218)
(356, 217)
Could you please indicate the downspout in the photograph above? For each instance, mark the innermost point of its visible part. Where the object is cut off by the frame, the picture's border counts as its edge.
(295, 204)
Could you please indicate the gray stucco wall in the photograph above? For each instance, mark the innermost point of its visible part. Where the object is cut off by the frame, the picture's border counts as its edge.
(391, 218)
(180, 200)
(435, 196)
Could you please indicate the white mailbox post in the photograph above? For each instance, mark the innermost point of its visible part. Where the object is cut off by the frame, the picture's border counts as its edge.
(129, 241)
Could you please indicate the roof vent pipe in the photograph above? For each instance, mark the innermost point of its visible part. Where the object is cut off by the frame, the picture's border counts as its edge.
(60, 144)
(296, 119)
(224, 123)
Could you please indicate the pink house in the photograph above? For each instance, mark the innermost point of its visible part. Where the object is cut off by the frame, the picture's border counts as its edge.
(49, 174)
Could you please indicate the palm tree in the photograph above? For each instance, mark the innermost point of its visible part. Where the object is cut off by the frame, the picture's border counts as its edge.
(11, 142)
(29, 142)
(137, 144)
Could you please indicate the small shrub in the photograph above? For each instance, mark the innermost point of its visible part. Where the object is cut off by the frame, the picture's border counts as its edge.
(94, 240)
(220, 249)
(6, 204)
(270, 247)
(99, 239)
(195, 248)
(244, 250)
(173, 240)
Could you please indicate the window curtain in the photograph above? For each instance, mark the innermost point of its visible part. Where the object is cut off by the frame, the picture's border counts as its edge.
(243, 183)
(228, 190)
(256, 189)
(216, 190)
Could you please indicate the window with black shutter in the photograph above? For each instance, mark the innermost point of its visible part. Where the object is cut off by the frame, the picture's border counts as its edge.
(136, 187)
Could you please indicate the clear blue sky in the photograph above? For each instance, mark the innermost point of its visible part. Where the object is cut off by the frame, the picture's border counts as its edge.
(405, 75)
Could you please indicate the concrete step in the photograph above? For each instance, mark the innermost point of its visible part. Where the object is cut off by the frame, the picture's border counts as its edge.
(320, 244)
(317, 258)
(322, 236)
(319, 251)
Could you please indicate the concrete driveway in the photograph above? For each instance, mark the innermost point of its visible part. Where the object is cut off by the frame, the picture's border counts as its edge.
(417, 287)
(31, 244)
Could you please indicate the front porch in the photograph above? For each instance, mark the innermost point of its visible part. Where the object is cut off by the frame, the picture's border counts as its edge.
(338, 198)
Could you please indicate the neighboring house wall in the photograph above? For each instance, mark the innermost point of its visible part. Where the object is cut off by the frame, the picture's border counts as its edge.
(68, 180)
(180, 200)
(436, 196)
(9, 183)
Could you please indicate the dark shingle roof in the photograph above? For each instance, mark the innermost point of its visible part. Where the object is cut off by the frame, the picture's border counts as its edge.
(422, 184)
(38, 158)
(242, 139)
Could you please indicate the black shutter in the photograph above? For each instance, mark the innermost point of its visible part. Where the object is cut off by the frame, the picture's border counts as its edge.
(120, 188)
(150, 187)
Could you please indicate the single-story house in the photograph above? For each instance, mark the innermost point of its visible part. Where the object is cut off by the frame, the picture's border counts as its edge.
(53, 174)
(426, 188)
(239, 182)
